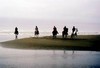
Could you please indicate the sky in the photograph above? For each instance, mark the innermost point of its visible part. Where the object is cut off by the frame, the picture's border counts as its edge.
(26, 14)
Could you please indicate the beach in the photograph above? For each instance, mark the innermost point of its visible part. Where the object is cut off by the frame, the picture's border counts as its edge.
(82, 42)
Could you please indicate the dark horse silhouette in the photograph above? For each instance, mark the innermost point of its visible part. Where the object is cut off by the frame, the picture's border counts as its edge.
(55, 32)
(16, 32)
(36, 31)
(65, 32)
(74, 32)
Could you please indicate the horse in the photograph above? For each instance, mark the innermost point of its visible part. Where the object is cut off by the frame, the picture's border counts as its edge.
(64, 34)
(54, 34)
(16, 33)
(36, 33)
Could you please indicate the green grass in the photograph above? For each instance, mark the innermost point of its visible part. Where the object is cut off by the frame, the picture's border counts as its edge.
(82, 42)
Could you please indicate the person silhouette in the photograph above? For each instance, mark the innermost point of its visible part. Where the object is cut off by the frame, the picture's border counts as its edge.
(36, 31)
(65, 32)
(16, 32)
(55, 32)
(36, 28)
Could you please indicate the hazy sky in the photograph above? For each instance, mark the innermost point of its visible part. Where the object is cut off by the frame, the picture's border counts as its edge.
(26, 14)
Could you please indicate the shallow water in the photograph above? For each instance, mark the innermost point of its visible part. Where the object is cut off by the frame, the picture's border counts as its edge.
(18, 58)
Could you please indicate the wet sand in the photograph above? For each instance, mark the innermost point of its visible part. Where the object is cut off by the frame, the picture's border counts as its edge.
(82, 42)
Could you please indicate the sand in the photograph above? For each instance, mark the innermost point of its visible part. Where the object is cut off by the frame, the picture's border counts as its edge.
(82, 42)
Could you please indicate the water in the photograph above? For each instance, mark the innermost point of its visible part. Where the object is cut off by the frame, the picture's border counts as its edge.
(18, 58)
(15, 58)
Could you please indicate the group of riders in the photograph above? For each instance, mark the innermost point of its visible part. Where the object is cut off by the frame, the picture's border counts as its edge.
(65, 32)
(54, 32)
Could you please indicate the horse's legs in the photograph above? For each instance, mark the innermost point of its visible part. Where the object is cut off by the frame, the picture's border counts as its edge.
(63, 34)
(66, 36)
(72, 35)
(15, 36)
(54, 36)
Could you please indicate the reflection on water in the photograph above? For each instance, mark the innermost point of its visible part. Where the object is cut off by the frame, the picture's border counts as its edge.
(16, 58)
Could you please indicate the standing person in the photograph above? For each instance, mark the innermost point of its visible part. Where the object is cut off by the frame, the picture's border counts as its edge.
(55, 32)
(16, 32)
(36, 31)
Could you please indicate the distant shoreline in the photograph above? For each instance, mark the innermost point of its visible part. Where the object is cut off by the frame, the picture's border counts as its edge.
(82, 42)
